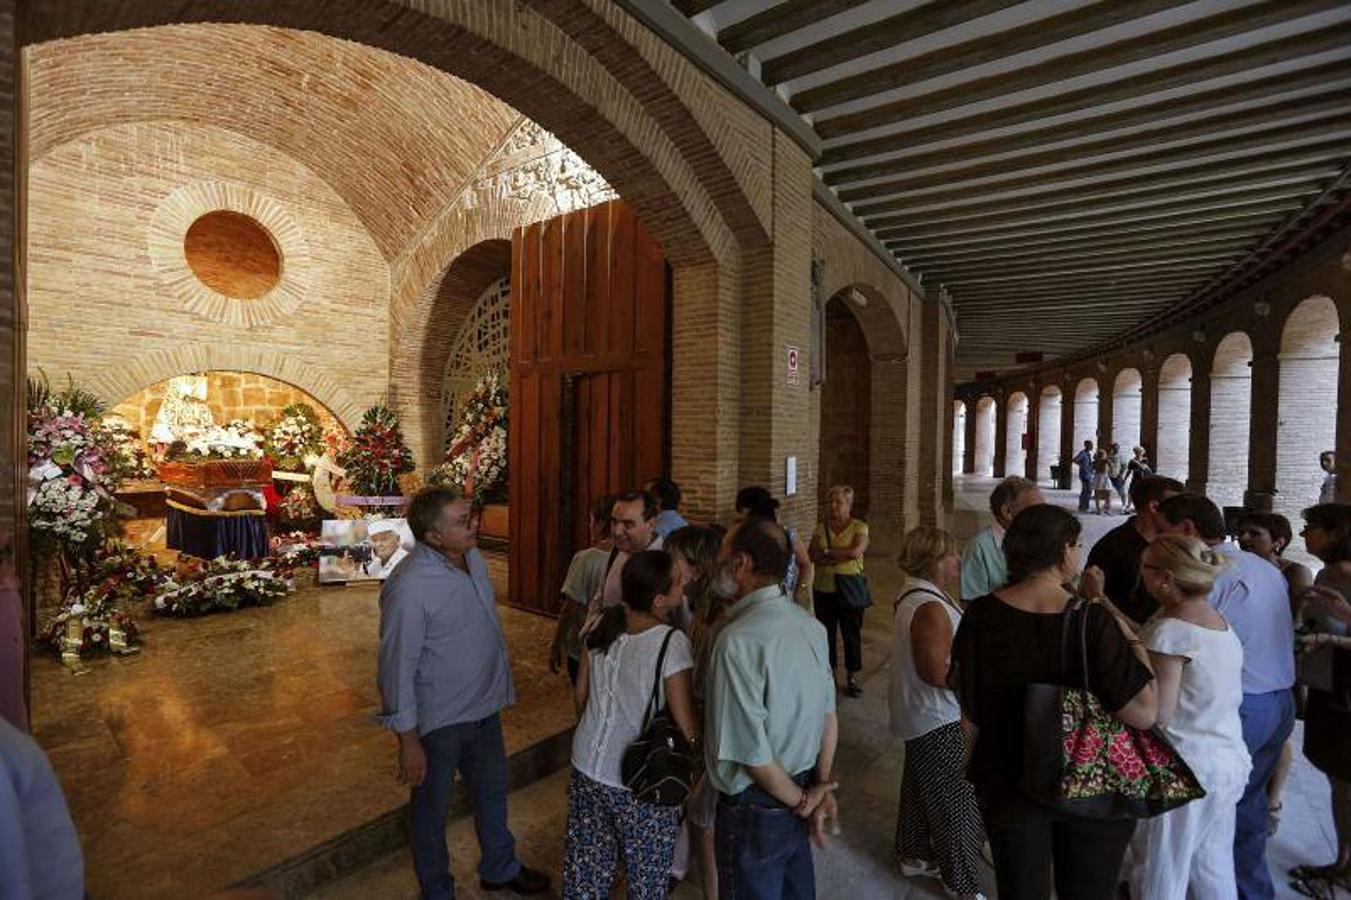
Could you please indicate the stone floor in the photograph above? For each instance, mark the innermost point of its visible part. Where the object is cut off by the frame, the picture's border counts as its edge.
(858, 865)
(236, 741)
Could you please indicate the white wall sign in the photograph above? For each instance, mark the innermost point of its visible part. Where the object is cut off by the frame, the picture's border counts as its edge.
(790, 477)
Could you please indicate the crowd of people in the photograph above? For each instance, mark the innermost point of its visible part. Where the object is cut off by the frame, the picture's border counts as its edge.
(1186, 639)
(704, 668)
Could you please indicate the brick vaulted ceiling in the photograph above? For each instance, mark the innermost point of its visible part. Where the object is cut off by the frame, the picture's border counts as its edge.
(398, 140)
(1074, 173)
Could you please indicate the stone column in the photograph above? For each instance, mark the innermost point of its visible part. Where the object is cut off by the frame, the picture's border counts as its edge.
(1344, 415)
(1106, 399)
(1001, 435)
(1149, 413)
(775, 416)
(1067, 448)
(1263, 424)
(1033, 429)
(1198, 453)
(935, 413)
(969, 446)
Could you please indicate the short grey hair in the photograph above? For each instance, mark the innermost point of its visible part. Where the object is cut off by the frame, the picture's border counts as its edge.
(1008, 491)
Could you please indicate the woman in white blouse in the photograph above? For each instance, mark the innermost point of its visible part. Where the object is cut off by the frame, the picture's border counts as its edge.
(624, 647)
(1198, 667)
(938, 828)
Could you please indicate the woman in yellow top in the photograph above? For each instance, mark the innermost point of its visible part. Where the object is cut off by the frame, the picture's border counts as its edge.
(837, 548)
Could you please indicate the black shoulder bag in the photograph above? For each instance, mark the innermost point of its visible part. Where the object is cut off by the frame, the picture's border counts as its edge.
(853, 590)
(659, 766)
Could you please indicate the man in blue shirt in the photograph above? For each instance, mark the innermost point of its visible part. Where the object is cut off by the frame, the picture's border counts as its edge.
(1084, 460)
(444, 679)
(667, 493)
(1252, 596)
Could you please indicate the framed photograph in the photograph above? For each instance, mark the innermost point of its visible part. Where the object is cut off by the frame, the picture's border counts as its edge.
(362, 549)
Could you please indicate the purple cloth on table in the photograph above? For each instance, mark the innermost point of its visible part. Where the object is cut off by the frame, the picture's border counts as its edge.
(12, 706)
(209, 536)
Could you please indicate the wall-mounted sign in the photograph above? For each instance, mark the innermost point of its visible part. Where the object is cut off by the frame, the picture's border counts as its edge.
(794, 357)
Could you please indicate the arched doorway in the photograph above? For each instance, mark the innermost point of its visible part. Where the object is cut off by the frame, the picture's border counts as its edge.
(1307, 403)
(1015, 439)
(986, 410)
(1085, 413)
(1172, 457)
(1048, 431)
(1230, 418)
(958, 436)
(846, 406)
(1126, 395)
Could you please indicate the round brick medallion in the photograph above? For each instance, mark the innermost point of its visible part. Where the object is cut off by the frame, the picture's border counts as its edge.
(233, 254)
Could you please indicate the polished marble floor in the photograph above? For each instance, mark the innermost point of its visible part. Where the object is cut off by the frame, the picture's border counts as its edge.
(235, 741)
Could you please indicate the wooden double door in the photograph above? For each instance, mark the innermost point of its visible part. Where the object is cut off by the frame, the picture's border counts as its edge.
(590, 325)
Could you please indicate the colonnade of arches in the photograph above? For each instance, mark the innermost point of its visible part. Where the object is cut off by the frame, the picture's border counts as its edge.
(1243, 430)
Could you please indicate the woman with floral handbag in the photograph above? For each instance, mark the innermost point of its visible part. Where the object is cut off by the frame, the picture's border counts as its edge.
(1009, 644)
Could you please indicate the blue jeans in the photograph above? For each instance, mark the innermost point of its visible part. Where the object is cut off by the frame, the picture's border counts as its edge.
(476, 749)
(1085, 493)
(1267, 722)
(764, 851)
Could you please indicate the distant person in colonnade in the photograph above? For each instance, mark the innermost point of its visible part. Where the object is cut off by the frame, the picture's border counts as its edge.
(585, 575)
(668, 497)
(1326, 613)
(837, 549)
(1116, 472)
(1084, 461)
(444, 679)
(633, 529)
(771, 729)
(938, 829)
(1327, 461)
(1252, 596)
(983, 564)
(1117, 554)
(1102, 483)
(1137, 468)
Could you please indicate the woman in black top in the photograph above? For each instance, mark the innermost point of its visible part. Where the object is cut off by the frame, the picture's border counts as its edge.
(1008, 640)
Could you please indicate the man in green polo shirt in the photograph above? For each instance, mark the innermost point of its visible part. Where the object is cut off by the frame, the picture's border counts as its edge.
(770, 727)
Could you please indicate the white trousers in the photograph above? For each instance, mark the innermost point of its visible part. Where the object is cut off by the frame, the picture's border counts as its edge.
(1188, 854)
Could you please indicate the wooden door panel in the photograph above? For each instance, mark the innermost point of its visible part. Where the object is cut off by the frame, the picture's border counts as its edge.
(589, 329)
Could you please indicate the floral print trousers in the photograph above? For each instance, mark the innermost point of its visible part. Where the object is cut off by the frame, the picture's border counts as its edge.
(605, 823)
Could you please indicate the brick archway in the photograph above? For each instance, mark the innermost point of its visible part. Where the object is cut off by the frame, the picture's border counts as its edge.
(519, 55)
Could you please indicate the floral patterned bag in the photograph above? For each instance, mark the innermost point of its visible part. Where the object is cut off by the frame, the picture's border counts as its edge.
(1082, 760)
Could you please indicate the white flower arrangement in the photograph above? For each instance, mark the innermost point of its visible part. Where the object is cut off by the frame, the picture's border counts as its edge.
(476, 458)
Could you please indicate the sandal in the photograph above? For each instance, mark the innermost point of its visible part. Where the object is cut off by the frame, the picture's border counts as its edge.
(1317, 888)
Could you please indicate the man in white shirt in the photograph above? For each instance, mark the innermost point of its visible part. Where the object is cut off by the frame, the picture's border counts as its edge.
(633, 529)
